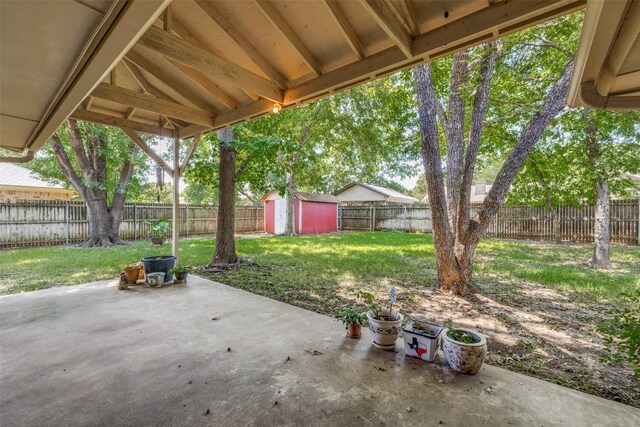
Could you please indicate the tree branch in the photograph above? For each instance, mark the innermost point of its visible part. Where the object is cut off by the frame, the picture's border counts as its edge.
(552, 105)
(77, 146)
(65, 165)
(480, 102)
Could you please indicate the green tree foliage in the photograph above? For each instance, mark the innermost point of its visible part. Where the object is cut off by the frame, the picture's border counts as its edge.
(559, 166)
(117, 151)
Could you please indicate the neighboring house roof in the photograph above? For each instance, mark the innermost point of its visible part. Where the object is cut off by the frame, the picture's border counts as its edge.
(14, 175)
(387, 194)
(479, 191)
(304, 196)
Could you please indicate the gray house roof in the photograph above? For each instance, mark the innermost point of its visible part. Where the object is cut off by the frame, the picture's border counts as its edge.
(12, 174)
(387, 194)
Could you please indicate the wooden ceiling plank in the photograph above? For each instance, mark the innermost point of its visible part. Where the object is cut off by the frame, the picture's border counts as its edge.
(92, 116)
(506, 18)
(162, 75)
(143, 145)
(281, 24)
(130, 112)
(345, 28)
(206, 84)
(409, 10)
(383, 14)
(174, 47)
(149, 103)
(247, 47)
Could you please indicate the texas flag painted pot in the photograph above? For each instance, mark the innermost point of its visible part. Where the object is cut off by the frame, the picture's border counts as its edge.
(422, 339)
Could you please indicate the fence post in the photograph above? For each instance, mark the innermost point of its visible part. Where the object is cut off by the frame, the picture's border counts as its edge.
(373, 228)
(186, 220)
(66, 222)
(135, 222)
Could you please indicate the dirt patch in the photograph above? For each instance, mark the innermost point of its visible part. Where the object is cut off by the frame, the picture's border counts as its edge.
(537, 331)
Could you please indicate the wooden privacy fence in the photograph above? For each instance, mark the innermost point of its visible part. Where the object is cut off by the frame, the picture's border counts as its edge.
(41, 223)
(511, 222)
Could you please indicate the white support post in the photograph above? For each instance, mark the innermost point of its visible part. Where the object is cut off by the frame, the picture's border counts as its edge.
(175, 223)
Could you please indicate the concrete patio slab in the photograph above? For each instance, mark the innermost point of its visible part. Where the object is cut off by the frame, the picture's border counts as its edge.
(91, 355)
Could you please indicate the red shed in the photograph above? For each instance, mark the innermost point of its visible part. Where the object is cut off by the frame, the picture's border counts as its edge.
(313, 213)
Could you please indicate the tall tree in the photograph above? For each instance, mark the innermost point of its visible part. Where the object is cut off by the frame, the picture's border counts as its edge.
(225, 250)
(96, 149)
(456, 233)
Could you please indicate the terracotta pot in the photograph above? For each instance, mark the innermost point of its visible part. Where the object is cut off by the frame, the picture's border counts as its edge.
(462, 357)
(132, 273)
(385, 332)
(141, 275)
(354, 330)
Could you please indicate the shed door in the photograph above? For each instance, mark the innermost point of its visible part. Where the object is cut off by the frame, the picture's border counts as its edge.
(280, 216)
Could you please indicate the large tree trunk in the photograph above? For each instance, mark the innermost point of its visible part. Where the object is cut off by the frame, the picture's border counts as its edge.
(104, 220)
(601, 232)
(290, 226)
(455, 234)
(225, 251)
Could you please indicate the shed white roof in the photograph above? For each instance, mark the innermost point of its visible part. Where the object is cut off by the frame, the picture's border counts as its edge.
(12, 174)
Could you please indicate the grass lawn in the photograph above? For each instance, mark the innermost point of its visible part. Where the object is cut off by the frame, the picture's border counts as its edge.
(538, 303)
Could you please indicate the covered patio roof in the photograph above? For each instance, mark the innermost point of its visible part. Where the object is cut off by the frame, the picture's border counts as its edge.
(177, 69)
(607, 70)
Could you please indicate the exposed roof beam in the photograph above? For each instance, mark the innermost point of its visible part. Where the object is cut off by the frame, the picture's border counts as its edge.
(457, 35)
(281, 24)
(142, 144)
(149, 103)
(256, 57)
(196, 75)
(384, 16)
(409, 10)
(192, 130)
(186, 53)
(189, 153)
(345, 28)
(105, 119)
(161, 74)
(141, 79)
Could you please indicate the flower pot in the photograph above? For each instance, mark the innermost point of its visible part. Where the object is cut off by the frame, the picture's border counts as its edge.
(157, 241)
(181, 276)
(354, 330)
(385, 332)
(462, 357)
(155, 279)
(132, 273)
(422, 339)
(159, 264)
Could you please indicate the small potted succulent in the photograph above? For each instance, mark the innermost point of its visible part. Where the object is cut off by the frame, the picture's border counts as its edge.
(464, 350)
(159, 230)
(180, 272)
(353, 320)
(384, 324)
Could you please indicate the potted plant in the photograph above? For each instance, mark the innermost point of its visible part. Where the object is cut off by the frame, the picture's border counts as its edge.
(464, 349)
(159, 264)
(132, 272)
(422, 339)
(180, 273)
(384, 324)
(159, 231)
(352, 319)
